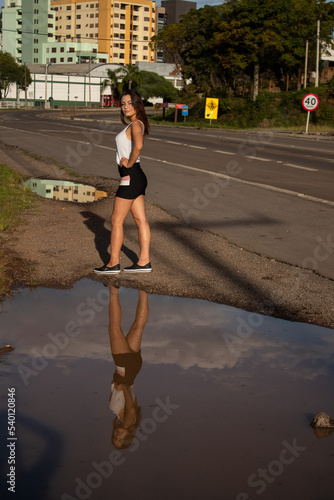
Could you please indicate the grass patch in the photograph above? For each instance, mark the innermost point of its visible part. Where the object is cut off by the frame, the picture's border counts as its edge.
(14, 200)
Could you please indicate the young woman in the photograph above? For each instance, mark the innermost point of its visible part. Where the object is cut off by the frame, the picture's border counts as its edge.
(131, 191)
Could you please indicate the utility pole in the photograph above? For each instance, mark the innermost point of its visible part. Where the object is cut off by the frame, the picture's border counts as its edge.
(46, 84)
(318, 56)
(306, 61)
(25, 87)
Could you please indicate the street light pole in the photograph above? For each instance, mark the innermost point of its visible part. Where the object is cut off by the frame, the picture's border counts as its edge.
(46, 84)
(318, 56)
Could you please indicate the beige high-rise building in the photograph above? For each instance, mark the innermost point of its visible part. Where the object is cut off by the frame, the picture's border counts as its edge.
(122, 29)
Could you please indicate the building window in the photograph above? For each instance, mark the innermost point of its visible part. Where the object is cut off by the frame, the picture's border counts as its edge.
(54, 49)
(53, 60)
(116, 25)
(78, 7)
(115, 55)
(96, 25)
(78, 16)
(35, 11)
(71, 49)
(70, 59)
(35, 21)
(146, 28)
(50, 25)
(68, 18)
(68, 26)
(97, 15)
(62, 49)
(47, 50)
(35, 40)
(121, 56)
(78, 26)
(116, 15)
(68, 7)
(122, 26)
(91, 15)
(146, 19)
(122, 16)
(35, 60)
(146, 9)
(35, 51)
(91, 25)
(121, 45)
(36, 31)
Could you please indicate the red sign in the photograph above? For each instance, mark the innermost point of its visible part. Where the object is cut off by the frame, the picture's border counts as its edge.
(310, 102)
(164, 105)
(179, 106)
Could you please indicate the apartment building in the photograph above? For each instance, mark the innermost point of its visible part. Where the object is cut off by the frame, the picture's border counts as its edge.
(122, 29)
(26, 26)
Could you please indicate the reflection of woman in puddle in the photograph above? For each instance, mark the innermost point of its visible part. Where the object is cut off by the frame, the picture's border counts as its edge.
(127, 357)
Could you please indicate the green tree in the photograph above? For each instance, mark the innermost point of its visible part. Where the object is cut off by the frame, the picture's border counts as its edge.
(9, 72)
(130, 77)
(112, 82)
(154, 85)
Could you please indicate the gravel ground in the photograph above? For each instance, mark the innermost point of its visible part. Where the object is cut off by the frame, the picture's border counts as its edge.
(62, 243)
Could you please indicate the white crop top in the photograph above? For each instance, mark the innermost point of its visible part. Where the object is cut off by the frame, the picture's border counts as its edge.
(124, 145)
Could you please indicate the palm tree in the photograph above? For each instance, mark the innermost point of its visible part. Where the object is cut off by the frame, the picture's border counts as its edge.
(112, 82)
(129, 74)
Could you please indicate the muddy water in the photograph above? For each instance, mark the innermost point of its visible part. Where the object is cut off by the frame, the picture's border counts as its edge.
(226, 399)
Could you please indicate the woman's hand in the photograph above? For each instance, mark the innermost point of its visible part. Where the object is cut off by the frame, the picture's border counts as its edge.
(124, 162)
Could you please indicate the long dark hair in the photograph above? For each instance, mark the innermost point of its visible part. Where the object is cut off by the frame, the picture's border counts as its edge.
(139, 107)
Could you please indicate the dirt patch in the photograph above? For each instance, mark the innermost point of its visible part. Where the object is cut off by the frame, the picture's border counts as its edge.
(62, 243)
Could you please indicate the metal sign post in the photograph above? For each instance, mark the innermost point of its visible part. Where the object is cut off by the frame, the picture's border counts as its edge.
(310, 103)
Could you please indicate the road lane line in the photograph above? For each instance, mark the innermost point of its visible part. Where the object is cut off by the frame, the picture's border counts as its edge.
(242, 181)
(173, 142)
(196, 147)
(223, 152)
(302, 168)
(257, 158)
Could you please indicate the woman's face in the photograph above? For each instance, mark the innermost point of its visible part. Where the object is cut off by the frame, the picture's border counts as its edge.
(119, 435)
(128, 109)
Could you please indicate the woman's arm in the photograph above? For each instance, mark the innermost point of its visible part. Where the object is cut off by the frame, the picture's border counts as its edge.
(138, 141)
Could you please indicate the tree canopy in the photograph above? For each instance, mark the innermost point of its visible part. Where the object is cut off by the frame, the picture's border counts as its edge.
(11, 72)
(216, 43)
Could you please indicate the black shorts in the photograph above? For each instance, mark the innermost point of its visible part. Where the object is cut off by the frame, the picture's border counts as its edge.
(132, 362)
(137, 185)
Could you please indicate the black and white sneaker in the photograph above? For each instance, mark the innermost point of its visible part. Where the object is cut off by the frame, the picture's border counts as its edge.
(135, 268)
(108, 270)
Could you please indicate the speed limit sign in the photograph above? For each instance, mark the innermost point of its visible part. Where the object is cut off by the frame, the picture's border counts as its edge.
(310, 102)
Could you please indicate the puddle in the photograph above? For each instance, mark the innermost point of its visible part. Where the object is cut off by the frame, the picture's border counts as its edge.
(64, 190)
(226, 400)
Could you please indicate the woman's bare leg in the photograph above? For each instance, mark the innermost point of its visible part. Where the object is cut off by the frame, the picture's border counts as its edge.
(120, 211)
(144, 233)
(118, 342)
(136, 331)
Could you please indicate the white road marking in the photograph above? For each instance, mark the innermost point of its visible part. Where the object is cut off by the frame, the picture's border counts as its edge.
(173, 142)
(256, 158)
(196, 147)
(302, 168)
(223, 152)
(153, 139)
(242, 181)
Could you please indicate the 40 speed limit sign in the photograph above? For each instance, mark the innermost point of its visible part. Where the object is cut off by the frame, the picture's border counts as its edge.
(310, 102)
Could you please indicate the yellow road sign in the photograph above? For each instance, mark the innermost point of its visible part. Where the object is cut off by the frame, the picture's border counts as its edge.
(211, 108)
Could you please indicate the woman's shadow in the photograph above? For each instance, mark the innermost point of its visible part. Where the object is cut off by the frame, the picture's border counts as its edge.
(96, 224)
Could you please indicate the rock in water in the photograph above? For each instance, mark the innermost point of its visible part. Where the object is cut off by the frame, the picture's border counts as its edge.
(322, 420)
